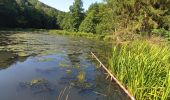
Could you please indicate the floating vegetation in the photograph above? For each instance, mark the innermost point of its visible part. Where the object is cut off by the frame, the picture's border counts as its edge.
(71, 52)
(69, 71)
(7, 58)
(76, 66)
(38, 85)
(84, 85)
(23, 54)
(81, 77)
(1, 47)
(144, 68)
(78, 80)
(63, 64)
(84, 65)
(37, 81)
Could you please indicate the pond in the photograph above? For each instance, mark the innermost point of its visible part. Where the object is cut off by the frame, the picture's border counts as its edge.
(39, 66)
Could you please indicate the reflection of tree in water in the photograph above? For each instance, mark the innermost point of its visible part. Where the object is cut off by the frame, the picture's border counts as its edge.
(8, 58)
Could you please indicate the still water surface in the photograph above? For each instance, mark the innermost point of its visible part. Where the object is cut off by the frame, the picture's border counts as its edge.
(38, 66)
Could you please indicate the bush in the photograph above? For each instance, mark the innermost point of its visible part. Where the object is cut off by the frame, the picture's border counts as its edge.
(162, 32)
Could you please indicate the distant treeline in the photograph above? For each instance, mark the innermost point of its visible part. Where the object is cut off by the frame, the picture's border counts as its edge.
(119, 16)
(110, 16)
(27, 14)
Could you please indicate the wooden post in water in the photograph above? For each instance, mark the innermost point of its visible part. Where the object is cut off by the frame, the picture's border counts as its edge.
(113, 78)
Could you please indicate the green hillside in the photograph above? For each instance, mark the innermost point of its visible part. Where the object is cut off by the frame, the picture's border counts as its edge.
(27, 14)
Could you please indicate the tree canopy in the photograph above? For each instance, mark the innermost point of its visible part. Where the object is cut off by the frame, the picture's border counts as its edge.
(111, 16)
(27, 14)
(74, 17)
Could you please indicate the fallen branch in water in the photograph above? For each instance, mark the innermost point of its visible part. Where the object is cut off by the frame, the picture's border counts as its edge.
(99, 93)
(113, 78)
(63, 93)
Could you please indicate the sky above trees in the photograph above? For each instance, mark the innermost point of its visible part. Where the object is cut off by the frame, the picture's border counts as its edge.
(63, 5)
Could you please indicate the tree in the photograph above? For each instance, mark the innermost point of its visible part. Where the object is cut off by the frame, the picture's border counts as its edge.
(107, 20)
(66, 23)
(8, 13)
(90, 22)
(76, 15)
(27, 14)
(60, 18)
(138, 16)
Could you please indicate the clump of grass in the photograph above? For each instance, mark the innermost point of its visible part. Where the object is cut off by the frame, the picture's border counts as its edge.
(144, 68)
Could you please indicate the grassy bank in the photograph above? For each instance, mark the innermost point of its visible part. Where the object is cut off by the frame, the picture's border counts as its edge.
(60, 32)
(79, 34)
(144, 68)
(22, 29)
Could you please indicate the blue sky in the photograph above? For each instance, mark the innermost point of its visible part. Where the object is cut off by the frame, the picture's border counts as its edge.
(63, 5)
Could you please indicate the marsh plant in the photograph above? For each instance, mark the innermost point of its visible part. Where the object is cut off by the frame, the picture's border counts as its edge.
(144, 68)
(81, 77)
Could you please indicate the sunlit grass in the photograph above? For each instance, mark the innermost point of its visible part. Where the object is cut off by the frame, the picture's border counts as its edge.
(78, 34)
(143, 68)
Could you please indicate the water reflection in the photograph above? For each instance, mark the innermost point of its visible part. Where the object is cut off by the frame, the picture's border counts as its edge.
(44, 67)
(8, 58)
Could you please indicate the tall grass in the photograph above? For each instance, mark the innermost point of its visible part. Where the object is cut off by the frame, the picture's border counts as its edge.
(143, 68)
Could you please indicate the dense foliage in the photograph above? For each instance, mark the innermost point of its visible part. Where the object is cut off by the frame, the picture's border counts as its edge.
(91, 20)
(74, 18)
(140, 16)
(111, 16)
(27, 14)
(119, 17)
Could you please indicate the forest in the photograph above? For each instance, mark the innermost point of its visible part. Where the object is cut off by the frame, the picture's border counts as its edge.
(111, 16)
(137, 33)
(27, 14)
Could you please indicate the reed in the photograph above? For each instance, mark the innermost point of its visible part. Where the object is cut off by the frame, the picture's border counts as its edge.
(143, 68)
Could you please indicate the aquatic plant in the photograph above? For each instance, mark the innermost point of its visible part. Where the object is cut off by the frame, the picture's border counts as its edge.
(36, 81)
(81, 77)
(69, 71)
(22, 54)
(144, 68)
(38, 85)
(63, 64)
(76, 66)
